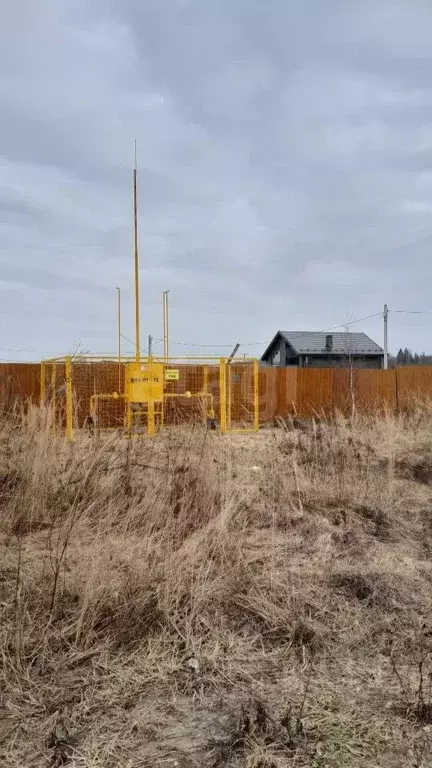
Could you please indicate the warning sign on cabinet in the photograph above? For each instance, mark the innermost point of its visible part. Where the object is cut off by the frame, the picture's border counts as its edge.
(173, 374)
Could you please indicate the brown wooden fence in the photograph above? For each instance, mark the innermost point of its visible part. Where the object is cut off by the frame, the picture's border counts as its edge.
(19, 383)
(283, 391)
(323, 391)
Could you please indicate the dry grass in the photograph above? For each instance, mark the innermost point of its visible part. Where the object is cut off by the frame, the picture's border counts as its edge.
(197, 600)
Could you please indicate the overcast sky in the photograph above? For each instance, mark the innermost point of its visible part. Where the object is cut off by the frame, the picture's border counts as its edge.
(285, 169)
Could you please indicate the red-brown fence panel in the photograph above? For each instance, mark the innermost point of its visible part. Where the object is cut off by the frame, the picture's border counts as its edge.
(268, 394)
(314, 391)
(414, 385)
(343, 391)
(375, 391)
(19, 383)
(287, 392)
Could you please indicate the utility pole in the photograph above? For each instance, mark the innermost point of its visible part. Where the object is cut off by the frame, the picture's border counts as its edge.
(385, 316)
(150, 344)
(233, 353)
(136, 263)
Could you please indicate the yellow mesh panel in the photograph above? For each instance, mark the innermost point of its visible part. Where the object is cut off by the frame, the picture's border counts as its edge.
(140, 398)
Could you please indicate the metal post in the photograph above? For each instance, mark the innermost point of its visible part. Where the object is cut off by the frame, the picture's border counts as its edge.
(136, 264)
(119, 339)
(69, 403)
(385, 315)
(229, 384)
(234, 352)
(150, 344)
(150, 402)
(165, 325)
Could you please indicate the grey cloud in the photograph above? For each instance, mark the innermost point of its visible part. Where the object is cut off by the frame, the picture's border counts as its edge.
(284, 153)
(42, 278)
(11, 209)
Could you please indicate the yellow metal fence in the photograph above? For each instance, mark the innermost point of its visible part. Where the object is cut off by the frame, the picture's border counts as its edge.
(141, 397)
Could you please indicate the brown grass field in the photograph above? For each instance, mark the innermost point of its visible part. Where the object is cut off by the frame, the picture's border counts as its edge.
(258, 601)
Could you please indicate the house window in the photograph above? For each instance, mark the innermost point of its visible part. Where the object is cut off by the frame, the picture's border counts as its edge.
(276, 357)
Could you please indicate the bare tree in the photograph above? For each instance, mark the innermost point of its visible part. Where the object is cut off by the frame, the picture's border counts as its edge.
(78, 349)
(350, 363)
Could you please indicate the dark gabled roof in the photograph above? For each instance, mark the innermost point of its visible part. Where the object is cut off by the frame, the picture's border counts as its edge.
(314, 343)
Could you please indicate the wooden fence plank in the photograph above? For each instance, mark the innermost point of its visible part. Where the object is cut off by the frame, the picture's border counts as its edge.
(19, 383)
(314, 391)
(343, 391)
(414, 384)
(286, 392)
(268, 394)
(375, 390)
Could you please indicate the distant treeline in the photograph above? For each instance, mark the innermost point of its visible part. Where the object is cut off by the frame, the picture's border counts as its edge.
(407, 357)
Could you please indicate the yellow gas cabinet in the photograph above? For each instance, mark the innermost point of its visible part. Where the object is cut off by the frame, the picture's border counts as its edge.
(144, 384)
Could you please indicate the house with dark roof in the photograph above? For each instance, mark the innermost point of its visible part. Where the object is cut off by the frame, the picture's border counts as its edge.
(310, 349)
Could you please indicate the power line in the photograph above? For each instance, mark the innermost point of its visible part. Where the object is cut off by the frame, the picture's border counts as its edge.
(144, 351)
(8, 349)
(412, 311)
(256, 343)
(248, 343)
(201, 346)
(219, 346)
(352, 322)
